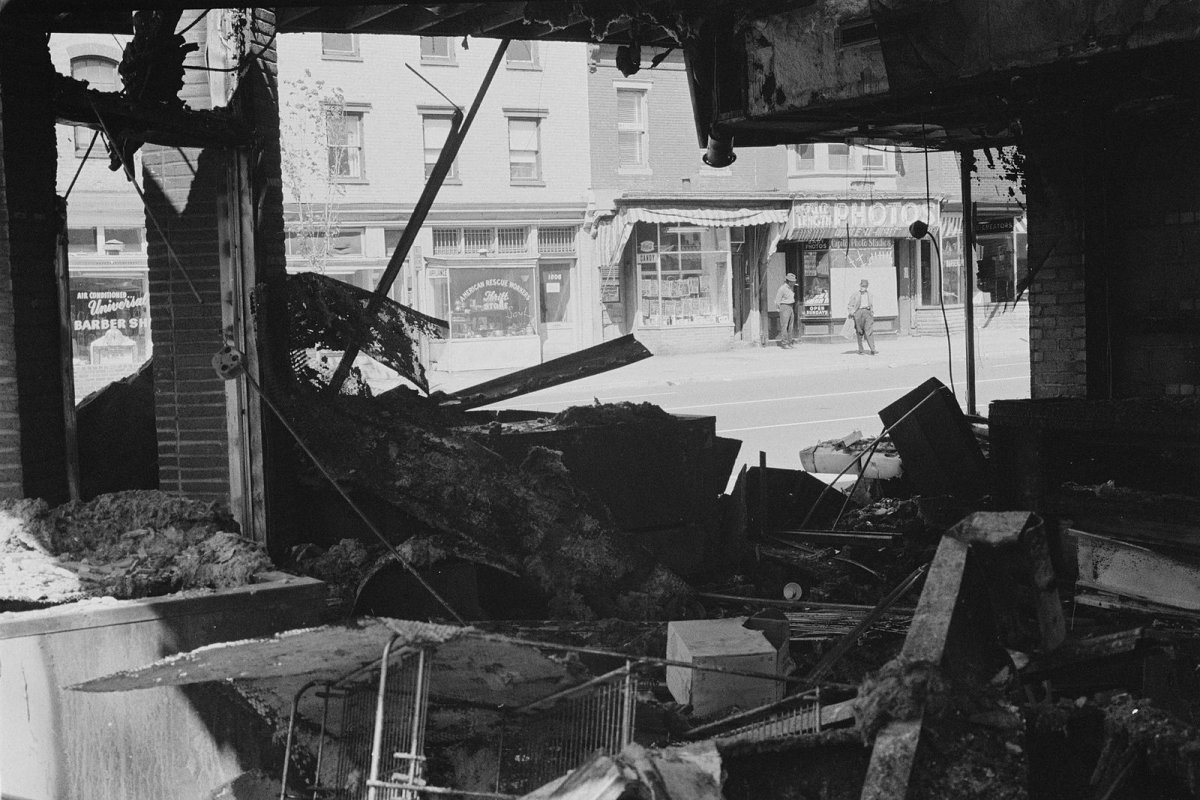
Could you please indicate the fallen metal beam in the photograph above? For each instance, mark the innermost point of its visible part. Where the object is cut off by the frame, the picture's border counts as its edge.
(573, 366)
(459, 127)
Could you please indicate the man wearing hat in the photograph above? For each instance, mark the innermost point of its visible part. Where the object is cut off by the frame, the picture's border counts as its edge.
(785, 301)
(861, 309)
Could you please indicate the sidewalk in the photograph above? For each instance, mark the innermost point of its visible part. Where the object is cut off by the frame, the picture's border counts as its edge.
(754, 361)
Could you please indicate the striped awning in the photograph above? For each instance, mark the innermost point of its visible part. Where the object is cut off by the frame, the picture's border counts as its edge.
(709, 217)
(951, 225)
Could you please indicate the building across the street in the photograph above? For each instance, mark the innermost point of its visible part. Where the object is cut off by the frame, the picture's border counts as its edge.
(579, 209)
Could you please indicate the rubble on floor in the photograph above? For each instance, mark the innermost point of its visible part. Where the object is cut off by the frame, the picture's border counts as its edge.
(124, 545)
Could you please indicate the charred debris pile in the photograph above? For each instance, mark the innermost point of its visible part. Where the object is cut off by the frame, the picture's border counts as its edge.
(941, 624)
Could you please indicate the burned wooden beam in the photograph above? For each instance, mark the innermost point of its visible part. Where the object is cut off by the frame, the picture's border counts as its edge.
(582, 364)
(157, 123)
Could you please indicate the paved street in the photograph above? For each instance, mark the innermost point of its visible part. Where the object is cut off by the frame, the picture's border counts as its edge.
(779, 401)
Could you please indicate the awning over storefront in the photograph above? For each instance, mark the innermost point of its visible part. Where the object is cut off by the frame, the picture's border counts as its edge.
(851, 219)
(709, 217)
(951, 226)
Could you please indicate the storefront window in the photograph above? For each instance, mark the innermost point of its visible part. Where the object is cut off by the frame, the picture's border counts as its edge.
(683, 274)
(110, 320)
(996, 266)
(492, 302)
(814, 280)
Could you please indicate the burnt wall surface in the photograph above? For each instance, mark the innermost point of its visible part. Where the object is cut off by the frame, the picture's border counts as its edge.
(32, 443)
(182, 187)
(1114, 234)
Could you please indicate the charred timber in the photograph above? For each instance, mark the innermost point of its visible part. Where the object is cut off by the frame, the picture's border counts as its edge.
(156, 123)
(583, 364)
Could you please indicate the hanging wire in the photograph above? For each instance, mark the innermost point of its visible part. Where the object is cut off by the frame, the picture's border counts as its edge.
(82, 161)
(940, 288)
(108, 142)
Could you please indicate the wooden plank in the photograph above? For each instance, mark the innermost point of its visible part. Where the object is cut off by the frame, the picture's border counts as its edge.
(1110, 565)
(585, 363)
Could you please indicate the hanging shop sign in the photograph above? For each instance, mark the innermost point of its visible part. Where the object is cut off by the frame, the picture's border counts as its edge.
(823, 219)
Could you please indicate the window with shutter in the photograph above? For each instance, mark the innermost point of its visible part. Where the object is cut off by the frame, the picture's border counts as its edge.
(631, 128)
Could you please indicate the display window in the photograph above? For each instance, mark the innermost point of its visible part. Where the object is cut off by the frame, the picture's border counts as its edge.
(814, 280)
(683, 274)
(110, 319)
(492, 301)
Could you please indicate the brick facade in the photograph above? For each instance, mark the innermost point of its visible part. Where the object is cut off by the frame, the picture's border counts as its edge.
(32, 432)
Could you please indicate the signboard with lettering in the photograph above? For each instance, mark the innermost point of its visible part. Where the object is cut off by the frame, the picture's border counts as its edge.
(610, 283)
(492, 302)
(817, 219)
(115, 309)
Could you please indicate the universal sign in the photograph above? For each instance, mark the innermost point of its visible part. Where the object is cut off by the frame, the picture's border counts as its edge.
(835, 215)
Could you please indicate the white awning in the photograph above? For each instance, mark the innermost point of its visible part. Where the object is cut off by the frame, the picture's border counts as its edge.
(709, 217)
(951, 225)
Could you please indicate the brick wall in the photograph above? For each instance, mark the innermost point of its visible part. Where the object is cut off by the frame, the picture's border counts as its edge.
(687, 339)
(1114, 224)
(32, 452)
(182, 186)
(1057, 307)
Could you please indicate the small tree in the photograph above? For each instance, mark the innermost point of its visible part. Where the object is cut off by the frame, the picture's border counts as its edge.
(312, 130)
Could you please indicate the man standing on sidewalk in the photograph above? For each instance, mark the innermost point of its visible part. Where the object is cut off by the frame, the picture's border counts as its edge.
(861, 310)
(785, 301)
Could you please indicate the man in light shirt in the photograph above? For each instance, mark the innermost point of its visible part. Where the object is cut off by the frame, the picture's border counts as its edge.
(785, 301)
(861, 310)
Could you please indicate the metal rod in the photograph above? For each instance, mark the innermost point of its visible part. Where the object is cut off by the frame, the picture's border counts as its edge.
(349, 500)
(573, 690)
(844, 644)
(414, 746)
(287, 747)
(967, 164)
(417, 218)
(321, 741)
(377, 736)
(374, 785)
(793, 604)
(762, 493)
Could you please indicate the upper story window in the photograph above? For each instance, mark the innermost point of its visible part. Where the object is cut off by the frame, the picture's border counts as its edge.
(344, 142)
(101, 75)
(524, 150)
(874, 157)
(839, 157)
(339, 45)
(631, 128)
(437, 50)
(435, 128)
(521, 55)
(803, 157)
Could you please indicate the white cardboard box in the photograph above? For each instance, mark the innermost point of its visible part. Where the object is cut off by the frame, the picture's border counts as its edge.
(727, 644)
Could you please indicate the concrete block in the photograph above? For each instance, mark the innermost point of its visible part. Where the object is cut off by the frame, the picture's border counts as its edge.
(727, 644)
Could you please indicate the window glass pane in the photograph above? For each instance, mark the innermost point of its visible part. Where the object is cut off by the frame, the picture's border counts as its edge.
(130, 239)
(492, 302)
(523, 148)
(681, 284)
(344, 136)
(629, 107)
(556, 291)
(804, 156)
(81, 240)
(110, 320)
(435, 47)
(520, 53)
(100, 73)
(839, 156)
(340, 43)
(391, 238)
(873, 158)
(629, 143)
(435, 129)
(348, 242)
